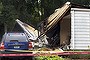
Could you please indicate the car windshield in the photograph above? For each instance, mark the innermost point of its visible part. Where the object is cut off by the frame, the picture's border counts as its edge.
(16, 38)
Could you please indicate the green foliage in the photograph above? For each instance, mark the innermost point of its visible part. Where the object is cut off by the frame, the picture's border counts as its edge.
(48, 58)
(30, 11)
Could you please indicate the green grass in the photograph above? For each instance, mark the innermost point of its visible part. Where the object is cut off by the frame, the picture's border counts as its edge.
(87, 56)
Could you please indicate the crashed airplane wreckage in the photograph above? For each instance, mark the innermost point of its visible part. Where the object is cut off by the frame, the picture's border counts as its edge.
(51, 22)
(57, 30)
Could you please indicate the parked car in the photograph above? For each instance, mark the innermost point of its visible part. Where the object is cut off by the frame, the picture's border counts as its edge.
(17, 41)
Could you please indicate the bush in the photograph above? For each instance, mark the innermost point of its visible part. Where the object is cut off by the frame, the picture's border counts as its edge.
(48, 58)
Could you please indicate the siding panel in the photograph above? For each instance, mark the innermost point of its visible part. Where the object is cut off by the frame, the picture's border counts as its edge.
(80, 28)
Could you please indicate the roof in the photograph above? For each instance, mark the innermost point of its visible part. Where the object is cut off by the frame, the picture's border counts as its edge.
(59, 13)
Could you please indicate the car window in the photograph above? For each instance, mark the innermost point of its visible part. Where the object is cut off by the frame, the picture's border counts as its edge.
(16, 38)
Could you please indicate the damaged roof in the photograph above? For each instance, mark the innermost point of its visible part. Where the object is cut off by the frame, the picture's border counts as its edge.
(59, 13)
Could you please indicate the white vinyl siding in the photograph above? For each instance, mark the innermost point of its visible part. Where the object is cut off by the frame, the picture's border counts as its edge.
(80, 28)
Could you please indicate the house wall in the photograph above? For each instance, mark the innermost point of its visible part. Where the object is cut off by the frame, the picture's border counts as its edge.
(80, 29)
(65, 30)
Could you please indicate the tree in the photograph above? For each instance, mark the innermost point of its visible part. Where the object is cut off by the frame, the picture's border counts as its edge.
(30, 11)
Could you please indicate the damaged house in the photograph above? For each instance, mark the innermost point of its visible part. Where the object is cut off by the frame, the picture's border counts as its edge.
(68, 25)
